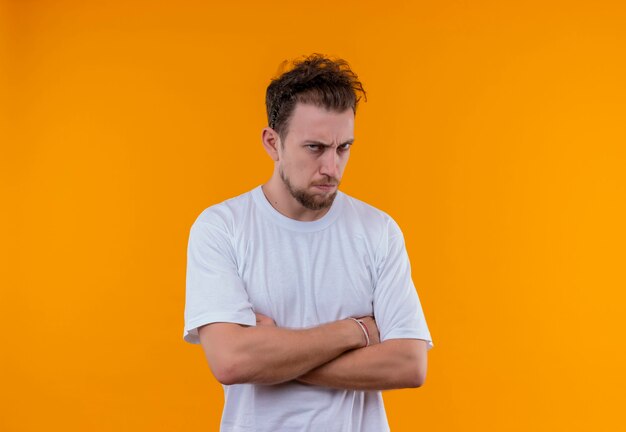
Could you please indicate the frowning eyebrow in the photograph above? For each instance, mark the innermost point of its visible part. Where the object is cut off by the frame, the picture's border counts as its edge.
(309, 142)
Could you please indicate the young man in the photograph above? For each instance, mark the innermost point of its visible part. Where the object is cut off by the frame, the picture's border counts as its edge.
(300, 295)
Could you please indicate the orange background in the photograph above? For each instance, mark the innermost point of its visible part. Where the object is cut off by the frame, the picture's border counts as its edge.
(494, 133)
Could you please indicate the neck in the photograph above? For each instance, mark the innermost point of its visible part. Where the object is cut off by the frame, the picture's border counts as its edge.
(281, 199)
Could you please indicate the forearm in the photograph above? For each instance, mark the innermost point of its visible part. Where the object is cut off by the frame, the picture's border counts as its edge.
(271, 355)
(393, 364)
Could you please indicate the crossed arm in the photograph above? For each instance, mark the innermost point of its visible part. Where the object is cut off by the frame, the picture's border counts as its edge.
(330, 355)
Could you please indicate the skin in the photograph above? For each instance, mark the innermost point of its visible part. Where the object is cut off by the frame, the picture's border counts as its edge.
(266, 354)
(308, 166)
(311, 160)
(380, 366)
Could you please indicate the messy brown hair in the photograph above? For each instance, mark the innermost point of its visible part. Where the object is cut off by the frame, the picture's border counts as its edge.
(316, 79)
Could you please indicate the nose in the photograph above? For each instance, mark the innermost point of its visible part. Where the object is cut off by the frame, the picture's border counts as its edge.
(330, 164)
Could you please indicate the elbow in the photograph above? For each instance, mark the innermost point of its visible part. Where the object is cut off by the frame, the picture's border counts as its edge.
(229, 371)
(225, 375)
(418, 365)
(416, 371)
(416, 378)
(225, 352)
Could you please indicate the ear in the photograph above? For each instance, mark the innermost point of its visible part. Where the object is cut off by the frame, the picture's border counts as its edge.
(271, 142)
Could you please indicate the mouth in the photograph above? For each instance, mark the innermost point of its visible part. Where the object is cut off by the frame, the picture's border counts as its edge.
(325, 187)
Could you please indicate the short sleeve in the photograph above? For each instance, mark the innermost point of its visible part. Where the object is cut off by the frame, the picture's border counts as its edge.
(397, 306)
(214, 290)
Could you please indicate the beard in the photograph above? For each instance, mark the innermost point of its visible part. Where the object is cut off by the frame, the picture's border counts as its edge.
(307, 200)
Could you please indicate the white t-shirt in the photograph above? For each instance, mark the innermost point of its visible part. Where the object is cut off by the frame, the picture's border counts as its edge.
(246, 257)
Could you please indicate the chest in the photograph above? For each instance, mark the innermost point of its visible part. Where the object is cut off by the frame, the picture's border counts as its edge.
(306, 279)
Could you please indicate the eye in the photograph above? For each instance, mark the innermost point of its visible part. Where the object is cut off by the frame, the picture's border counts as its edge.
(344, 147)
(313, 147)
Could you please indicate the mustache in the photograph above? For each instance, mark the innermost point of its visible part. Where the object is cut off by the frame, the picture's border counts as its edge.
(329, 182)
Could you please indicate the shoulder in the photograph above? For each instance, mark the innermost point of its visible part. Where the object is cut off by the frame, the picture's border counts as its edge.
(371, 217)
(223, 215)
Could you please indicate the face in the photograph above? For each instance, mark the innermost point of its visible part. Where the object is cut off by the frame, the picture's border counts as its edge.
(314, 154)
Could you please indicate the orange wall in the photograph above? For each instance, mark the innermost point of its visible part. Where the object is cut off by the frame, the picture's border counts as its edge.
(494, 133)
